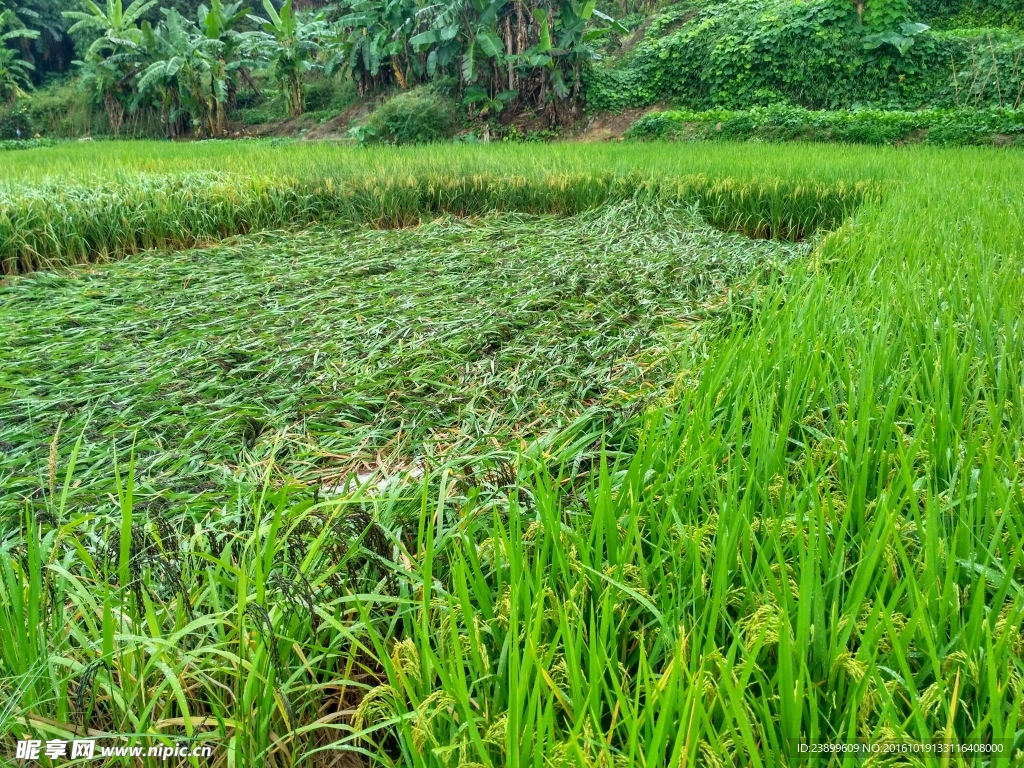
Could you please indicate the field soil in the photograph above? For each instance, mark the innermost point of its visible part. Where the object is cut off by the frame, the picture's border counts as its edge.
(609, 126)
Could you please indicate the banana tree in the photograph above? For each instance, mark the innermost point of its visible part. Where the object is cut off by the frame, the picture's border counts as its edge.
(290, 42)
(513, 50)
(176, 77)
(117, 26)
(372, 39)
(15, 72)
(483, 104)
(564, 46)
(467, 32)
(158, 84)
(49, 47)
(219, 25)
(112, 60)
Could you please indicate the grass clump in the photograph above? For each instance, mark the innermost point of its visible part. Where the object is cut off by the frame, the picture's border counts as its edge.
(15, 123)
(329, 94)
(265, 113)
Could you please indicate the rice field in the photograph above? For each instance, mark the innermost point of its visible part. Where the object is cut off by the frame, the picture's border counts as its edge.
(520, 455)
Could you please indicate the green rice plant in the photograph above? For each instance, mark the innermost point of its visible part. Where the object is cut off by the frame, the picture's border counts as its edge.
(69, 204)
(50, 225)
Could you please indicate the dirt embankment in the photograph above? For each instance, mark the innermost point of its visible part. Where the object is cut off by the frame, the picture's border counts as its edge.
(306, 126)
(602, 126)
(610, 126)
(337, 127)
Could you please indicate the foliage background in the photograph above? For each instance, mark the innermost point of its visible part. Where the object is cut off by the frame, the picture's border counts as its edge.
(738, 54)
(953, 14)
(497, 56)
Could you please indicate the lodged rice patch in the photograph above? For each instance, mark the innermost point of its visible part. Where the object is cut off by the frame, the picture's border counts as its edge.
(350, 352)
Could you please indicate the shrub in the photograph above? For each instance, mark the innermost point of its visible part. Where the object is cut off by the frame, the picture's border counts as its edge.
(864, 126)
(329, 94)
(16, 122)
(63, 110)
(25, 144)
(266, 113)
(417, 116)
